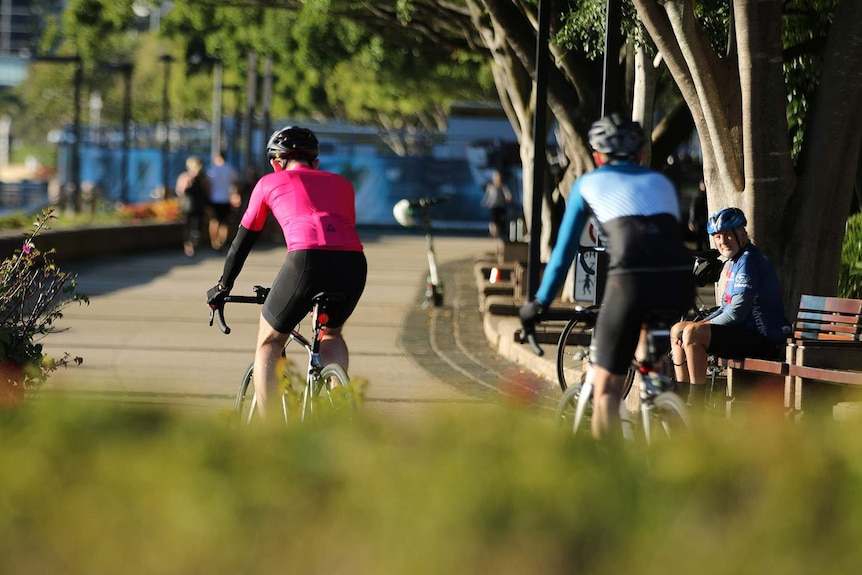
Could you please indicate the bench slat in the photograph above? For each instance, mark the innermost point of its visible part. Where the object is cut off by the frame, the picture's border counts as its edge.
(814, 335)
(826, 374)
(831, 304)
(827, 317)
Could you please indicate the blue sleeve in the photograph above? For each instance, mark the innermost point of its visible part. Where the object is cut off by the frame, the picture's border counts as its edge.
(734, 313)
(574, 221)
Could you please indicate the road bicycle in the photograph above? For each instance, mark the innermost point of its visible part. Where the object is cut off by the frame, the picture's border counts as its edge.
(660, 408)
(573, 345)
(326, 388)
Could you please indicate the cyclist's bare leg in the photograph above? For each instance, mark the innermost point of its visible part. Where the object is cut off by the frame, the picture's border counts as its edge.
(606, 403)
(270, 343)
(695, 339)
(677, 352)
(333, 348)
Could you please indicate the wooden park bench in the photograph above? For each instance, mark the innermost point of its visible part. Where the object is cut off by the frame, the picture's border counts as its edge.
(825, 347)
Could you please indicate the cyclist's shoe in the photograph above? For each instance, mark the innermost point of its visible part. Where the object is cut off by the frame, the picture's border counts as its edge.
(531, 314)
(216, 296)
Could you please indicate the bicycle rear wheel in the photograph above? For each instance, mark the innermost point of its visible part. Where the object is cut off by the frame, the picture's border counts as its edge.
(666, 418)
(573, 352)
(329, 392)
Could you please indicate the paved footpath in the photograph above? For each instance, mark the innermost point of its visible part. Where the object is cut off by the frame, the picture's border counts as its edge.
(145, 335)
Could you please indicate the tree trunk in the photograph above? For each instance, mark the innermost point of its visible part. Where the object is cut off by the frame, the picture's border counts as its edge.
(813, 223)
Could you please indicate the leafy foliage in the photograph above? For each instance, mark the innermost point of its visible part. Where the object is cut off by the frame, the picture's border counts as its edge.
(805, 27)
(33, 294)
(479, 489)
(850, 273)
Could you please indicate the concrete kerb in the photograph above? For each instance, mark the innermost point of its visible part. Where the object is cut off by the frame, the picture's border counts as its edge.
(501, 332)
(80, 243)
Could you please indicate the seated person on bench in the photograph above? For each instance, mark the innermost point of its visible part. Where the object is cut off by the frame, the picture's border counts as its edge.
(750, 321)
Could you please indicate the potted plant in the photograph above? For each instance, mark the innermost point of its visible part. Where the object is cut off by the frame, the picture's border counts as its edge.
(33, 294)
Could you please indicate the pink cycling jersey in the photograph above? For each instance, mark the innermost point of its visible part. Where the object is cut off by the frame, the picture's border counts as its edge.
(314, 208)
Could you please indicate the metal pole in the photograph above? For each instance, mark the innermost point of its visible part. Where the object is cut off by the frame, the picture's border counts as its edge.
(72, 187)
(127, 123)
(215, 142)
(75, 191)
(166, 59)
(251, 98)
(613, 44)
(540, 137)
(266, 96)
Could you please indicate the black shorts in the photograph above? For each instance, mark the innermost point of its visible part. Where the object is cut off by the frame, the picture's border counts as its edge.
(630, 299)
(306, 273)
(221, 212)
(498, 216)
(733, 342)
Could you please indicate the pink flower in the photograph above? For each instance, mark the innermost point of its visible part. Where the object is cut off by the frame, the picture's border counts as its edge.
(27, 247)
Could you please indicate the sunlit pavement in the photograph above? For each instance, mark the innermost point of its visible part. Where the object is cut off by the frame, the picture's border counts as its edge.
(145, 335)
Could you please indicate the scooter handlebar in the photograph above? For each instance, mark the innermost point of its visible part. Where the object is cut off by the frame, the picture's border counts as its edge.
(426, 202)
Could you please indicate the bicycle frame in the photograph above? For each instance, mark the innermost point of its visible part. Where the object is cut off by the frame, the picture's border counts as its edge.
(653, 390)
(316, 370)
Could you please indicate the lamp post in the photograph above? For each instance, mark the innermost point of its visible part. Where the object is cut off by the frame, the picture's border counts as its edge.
(73, 186)
(235, 135)
(613, 44)
(125, 68)
(166, 60)
(215, 140)
(540, 138)
(251, 99)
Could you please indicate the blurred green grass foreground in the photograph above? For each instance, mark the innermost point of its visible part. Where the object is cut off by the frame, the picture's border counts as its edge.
(92, 489)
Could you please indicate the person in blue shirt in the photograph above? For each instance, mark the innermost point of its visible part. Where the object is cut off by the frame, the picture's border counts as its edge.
(649, 268)
(750, 321)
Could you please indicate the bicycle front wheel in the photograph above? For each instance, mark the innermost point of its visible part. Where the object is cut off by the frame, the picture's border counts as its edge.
(573, 353)
(575, 408)
(245, 401)
(666, 418)
(329, 392)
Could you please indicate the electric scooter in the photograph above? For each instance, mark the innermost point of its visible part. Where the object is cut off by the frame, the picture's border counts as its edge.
(404, 212)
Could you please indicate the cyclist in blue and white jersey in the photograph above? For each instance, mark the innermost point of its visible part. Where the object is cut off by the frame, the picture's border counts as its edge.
(750, 321)
(638, 214)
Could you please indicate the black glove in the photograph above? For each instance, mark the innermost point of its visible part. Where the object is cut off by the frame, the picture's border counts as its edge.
(216, 295)
(531, 314)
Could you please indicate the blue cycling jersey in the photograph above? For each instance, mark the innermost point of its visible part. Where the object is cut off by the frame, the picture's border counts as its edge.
(638, 216)
(752, 285)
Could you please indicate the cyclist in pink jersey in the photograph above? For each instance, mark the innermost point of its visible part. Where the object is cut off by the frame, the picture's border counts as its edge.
(317, 215)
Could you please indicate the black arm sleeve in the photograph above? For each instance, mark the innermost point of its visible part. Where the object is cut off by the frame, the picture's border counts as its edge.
(236, 255)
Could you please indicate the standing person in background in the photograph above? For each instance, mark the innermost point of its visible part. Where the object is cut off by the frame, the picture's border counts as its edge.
(697, 216)
(193, 190)
(497, 199)
(223, 180)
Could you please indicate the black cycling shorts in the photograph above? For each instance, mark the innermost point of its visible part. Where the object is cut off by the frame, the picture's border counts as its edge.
(734, 342)
(629, 300)
(221, 212)
(306, 273)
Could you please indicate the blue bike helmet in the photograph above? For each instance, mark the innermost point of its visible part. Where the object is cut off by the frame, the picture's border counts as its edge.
(726, 219)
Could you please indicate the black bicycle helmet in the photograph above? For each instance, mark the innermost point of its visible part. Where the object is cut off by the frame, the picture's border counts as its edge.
(616, 136)
(293, 140)
(726, 219)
